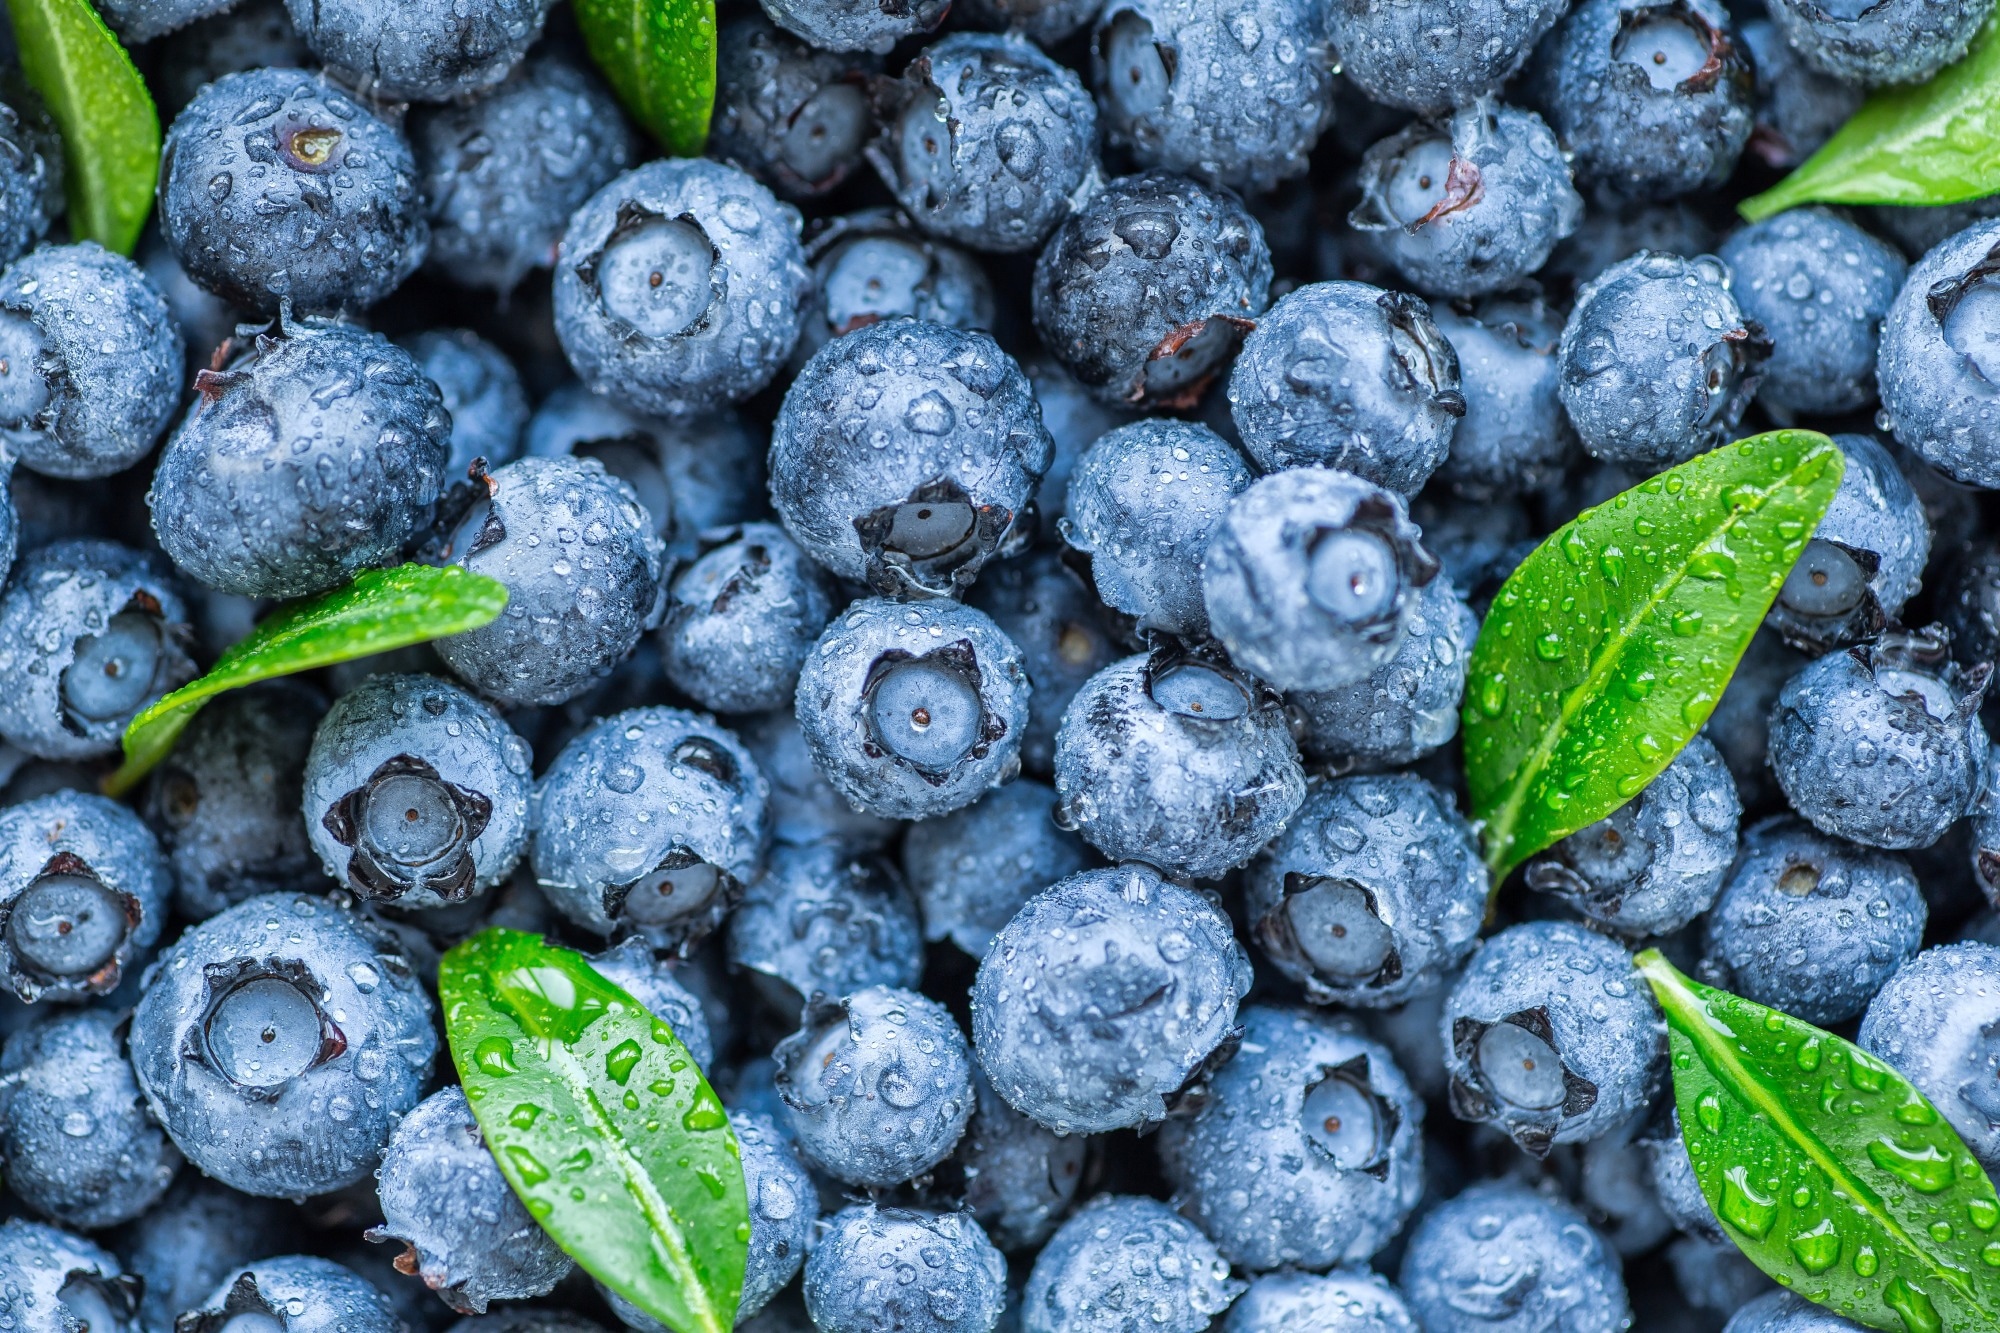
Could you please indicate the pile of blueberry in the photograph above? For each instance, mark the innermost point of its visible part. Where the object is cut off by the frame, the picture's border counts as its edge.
(993, 552)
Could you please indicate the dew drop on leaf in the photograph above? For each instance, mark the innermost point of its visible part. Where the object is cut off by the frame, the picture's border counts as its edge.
(1919, 1315)
(1991, 1254)
(527, 1165)
(495, 1057)
(1865, 1261)
(1818, 1249)
(1493, 695)
(524, 1115)
(705, 1114)
(1709, 1112)
(1807, 1057)
(1985, 1214)
(1925, 1170)
(620, 1060)
(1744, 1206)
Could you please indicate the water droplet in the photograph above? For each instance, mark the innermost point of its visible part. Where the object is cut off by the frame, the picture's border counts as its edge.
(1638, 684)
(705, 1114)
(526, 1165)
(1985, 1214)
(1925, 1169)
(1611, 562)
(524, 1115)
(1916, 1111)
(1990, 1256)
(1819, 1248)
(1713, 565)
(1808, 1054)
(1865, 1261)
(1744, 1207)
(1919, 1315)
(1696, 710)
(1941, 1232)
(619, 1062)
(1709, 1112)
(1865, 1074)
(1573, 546)
(711, 1180)
(495, 1056)
(661, 1087)
(1549, 647)
(1493, 696)
(1687, 623)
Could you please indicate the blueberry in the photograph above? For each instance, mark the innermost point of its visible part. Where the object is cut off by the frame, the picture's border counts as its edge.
(279, 1045)
(1657, 360)
(956, 446)
(1716, 1277)
(142, 20)
(805, 808)
(881, 1269)
(1142, 503)
(1237, 102)
(1408, 706)
(1104, 998)
(1811, 924)
(1784, 1312)
(1075, 420)
(1478, 544)
(1126, 1264)
(1468, 206)
(1651, 99)
(1514, 438)
(1308, 1149)
(463, 1230)
(874, 265)
(1434, 55)
(1894, 41)
(1740, 725)
(1920, 228)
(482, 393)
(741, 620)
(1371, 894)
(583, 570)
(825, 921)
(1020, 1178)
(1882, 744)
(634, 968)
(1935, 1020)
(1344, 375)
(1939, 341)
(1048, 610)
(1145, 292)
(1675, 1185)
(518, 1320)
(252, 34)
(795, 117)
(205, 320)
(1045, 22)
(1614, 229)
(650, 822)
(1500, 1256)
(199, 1234)
(80, 1148)
(1656, 862)
(293, 1293)
(1969, 600)
(1346, 1300)
(856, 25)
(876, 1052)
(972, 869)
(416, 792)
(433, 51)
(276, 186)
(90, 633)
(1552, 1036)
(1865, 559)
(1176, 759)
(83, 895)
(988, 142)
(278, 483)
(54, 1282)
(1798, 106)
(1614, 1186)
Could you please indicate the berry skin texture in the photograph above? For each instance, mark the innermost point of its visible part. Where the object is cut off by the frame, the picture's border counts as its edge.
(464, 1231)
(298, 1293)
(583, 569)
(1935, 1020)
(913, 709)
(1126, 1264)
(1811, 924)
(1657, 360)
(83, 895)
(1346, 1300)
(1882, 744)
(65, 1073)
(91, 632)
(1650, 101)
(1434, 55)
(1237, 102)
(972, 870)
(855, 25)
(877, 1085)
(416, 793)
(1145, 292)
(1105, 998)
(1469, 206)
(1896, 41)
(1044, 22)
(1020, 1178)
(988, 142)
(678, 287)
(317, 452)
(873, 265)
(482, 393)
(634, 968)
(1050, 613)
(805, 809)
(1142, 503)
(1310, 578)
(199, 1234)
(1799, 107)
(1514, 1261)
(795, 117)
(1307, 1152)
(90, 361)
(1408, 706)
(24, 182)
(1344, 375)
(275, 186)
(1180, 762)
(432, 51)
(1372, 894)
(611, 852)
(54, 1282)
(1552, 1036)
(1865, 559)
(881, 1269)
(1657, 862)
(825, 920)
(1820, 287)
(311, 1109)
(741, 619)
(1940, 350)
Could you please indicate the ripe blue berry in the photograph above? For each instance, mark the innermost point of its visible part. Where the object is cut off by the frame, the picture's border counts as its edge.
(915, 1272)
(1126, 1264)
(83, 895)
(1408, 706)
(1940, 340)
(971, 870)
(1865, 559)
(1935, 1020)
(825, 920)
(795, 117)
(1501, 1256)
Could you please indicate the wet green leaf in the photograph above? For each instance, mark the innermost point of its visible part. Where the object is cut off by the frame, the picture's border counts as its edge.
(603, 1125)
(1827, 1168)
(110, 130)
(380, 610)
(659, 56)
(1936, 142)
(1607, 649)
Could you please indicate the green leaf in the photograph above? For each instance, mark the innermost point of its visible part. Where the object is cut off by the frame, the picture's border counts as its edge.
(603, 1124)
(380, 610)
(1607, 649)
(110, 131)
(1929, 143)
(1827, 1168)
(659, 57)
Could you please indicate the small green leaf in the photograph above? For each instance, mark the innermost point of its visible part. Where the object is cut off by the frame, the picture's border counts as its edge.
(110, 131)
(1607, 649)
(659, 56)
(380, 610)
(1829, 1170)
(603, 1124)
(1929, 143)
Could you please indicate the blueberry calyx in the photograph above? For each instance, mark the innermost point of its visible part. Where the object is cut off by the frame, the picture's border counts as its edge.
(67, 905)
(1712, 44)
(243, 1299)
(1532, 1128)
(931, 544)
(429, 847)
(273, 994)
(952, 672)
(1348, 1121)
(1355, 954)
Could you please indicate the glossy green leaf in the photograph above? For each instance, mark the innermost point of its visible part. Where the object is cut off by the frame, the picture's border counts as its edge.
(110, 130)
(1936, 142)
(603, 1124)
(1607, 649)
(1827, 1169)
(659, 56)
(380, 610)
